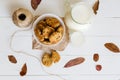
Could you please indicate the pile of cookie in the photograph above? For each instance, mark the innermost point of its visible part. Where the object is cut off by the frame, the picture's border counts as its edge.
(49, 30)
(49, 58)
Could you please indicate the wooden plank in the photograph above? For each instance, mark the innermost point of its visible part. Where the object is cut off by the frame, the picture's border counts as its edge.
(109, 8)
(56, 78)
(100, 27)
(103, 26)
(46, 6)
(110, 65)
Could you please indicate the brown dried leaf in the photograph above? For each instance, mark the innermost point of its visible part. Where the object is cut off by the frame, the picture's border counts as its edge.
(112, 47)
(12, 59)
(35, 3)
(96, 57)
(74, 62)
(98, 67)
(96, 6)
(23, 70)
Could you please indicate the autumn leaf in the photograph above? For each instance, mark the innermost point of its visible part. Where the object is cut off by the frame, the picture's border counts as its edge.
(12, 59)
(96, 6)
(35, 3)
(96, 57)
(23, 70)
(74, 62)
(112, 47)
(98, 67)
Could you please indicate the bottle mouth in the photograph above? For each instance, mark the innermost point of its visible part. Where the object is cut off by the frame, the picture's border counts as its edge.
(81, 13)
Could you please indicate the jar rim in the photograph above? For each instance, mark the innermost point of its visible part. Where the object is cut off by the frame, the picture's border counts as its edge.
(78, 5)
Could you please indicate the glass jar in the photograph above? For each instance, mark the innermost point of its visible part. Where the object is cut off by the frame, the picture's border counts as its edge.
(78, 16)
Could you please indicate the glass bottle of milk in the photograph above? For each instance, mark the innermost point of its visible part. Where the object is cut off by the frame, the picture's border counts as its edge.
(78, 17)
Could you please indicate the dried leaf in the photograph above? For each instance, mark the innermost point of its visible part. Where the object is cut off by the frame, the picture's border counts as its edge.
(35, 3)
(96, 57)
(98, 67)
(96, 6)
(23, 70)
(12, 59)
(112, 47)
(74, 62)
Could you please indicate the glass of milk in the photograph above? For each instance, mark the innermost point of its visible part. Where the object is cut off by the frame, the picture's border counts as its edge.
(78, 17)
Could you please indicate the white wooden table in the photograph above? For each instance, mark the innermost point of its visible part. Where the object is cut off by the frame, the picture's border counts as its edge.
(106, 28)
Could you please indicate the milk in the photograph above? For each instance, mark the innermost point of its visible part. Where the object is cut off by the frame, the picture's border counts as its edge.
(79, 16)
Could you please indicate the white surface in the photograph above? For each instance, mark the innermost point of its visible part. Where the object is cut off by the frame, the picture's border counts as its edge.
(77, 39)
(103, 30)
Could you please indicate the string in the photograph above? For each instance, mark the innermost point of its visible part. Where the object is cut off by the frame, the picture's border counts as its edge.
(25, 53)
(67, 6)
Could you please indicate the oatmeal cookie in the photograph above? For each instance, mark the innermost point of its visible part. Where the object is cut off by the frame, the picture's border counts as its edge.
(41, 38)
(53, 22)
(47, 31)
(40, 27)
(46, 60)
(38, 34)
(42, 22)
(60, 29)
(55, 37)
(37, 31)
(55, 56)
